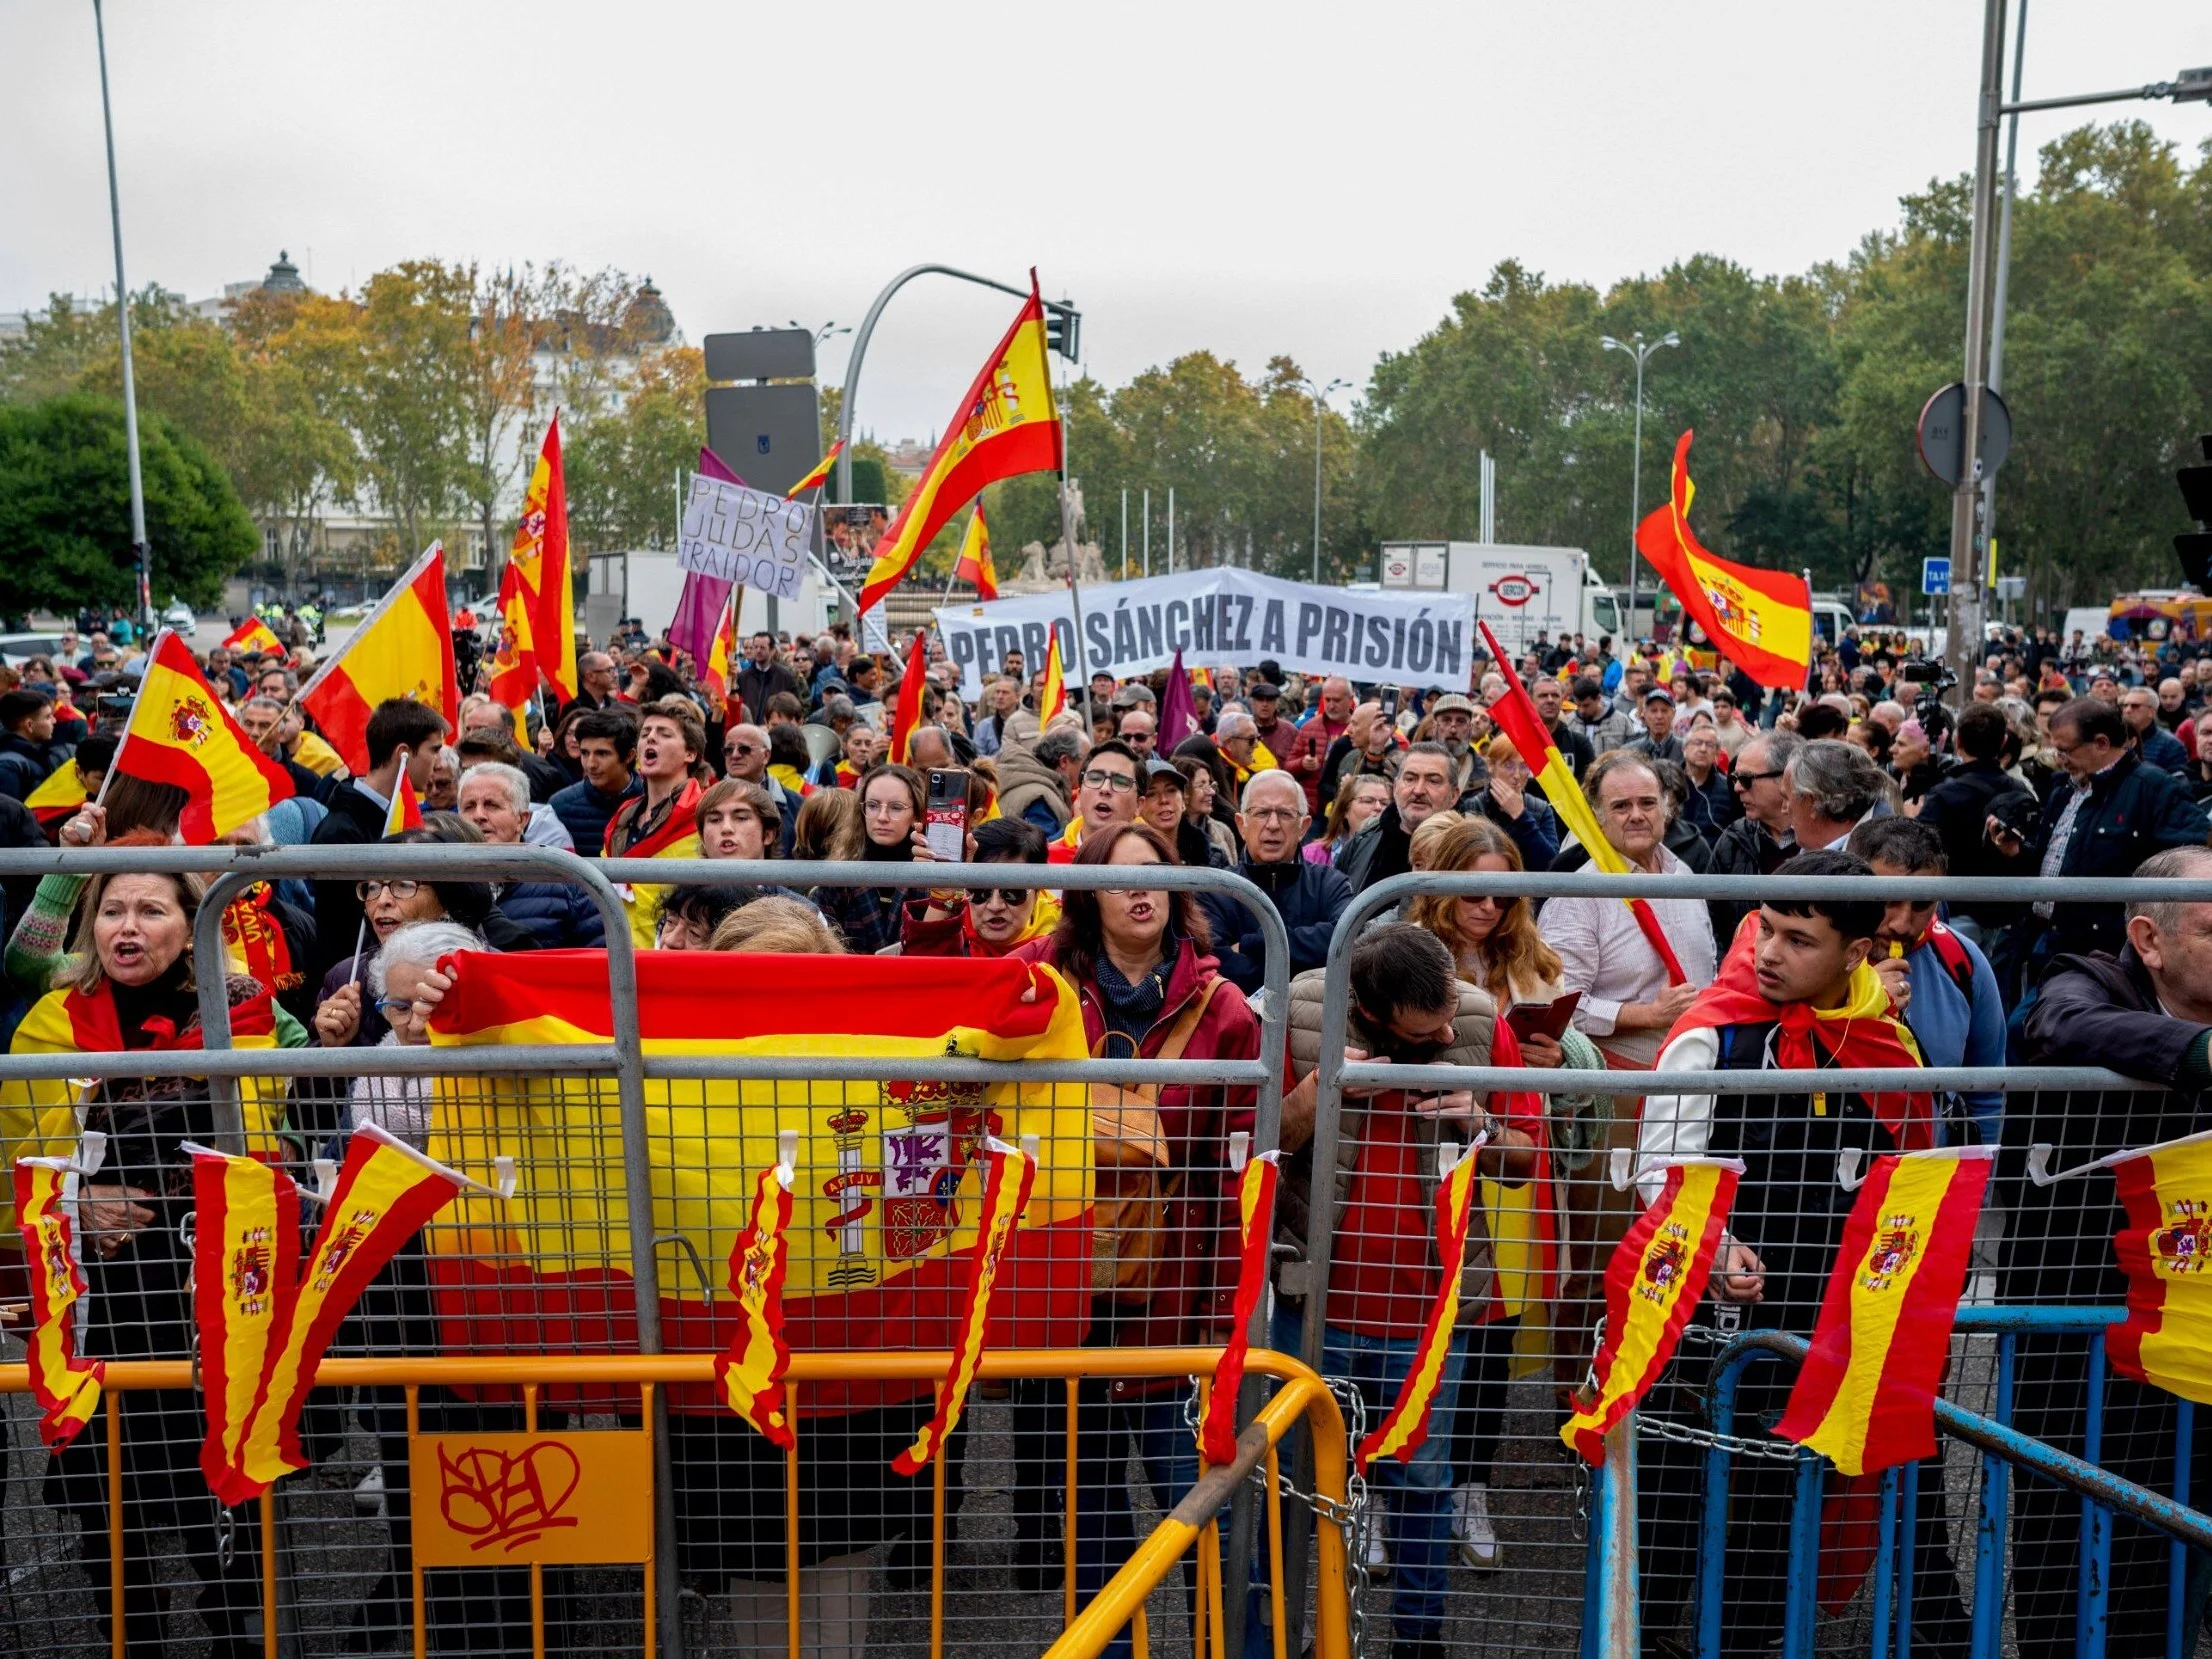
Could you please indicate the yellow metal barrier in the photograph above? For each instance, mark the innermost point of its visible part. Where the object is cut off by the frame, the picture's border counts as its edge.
(1300, 1395)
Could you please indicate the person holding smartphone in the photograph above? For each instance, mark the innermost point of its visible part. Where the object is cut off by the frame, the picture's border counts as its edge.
(982, 921)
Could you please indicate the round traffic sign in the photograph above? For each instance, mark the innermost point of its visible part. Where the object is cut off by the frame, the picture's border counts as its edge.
(1942, 432)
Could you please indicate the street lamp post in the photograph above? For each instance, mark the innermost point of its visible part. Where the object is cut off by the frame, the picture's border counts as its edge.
(123, 322)
(1639, 348)
(1320, 396)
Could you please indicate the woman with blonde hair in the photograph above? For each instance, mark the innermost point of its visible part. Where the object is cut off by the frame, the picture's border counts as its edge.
(828, 827)
(789, 926)
(1360, 798)
(1493, 940)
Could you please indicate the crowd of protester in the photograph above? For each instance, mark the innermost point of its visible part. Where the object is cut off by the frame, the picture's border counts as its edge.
(2063, 761)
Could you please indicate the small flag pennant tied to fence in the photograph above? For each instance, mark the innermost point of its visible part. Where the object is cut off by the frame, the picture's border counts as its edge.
(750, 1370)
(180, 733)
(386, 1191)
(1407, 1425)
(1217, 1431)
(1516, 716)
(402, 648)
(1865, 1396)
(2166, 1252)
(1762, 620)
(1007, 1174)
(1652, 1286)
(65, 1384)
(245, 1265)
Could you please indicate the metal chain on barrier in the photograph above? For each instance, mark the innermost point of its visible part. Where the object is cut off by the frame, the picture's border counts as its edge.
(1347, 1517)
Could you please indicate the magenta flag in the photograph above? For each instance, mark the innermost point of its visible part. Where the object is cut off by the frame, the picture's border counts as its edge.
(1178, 711)
(699, 606)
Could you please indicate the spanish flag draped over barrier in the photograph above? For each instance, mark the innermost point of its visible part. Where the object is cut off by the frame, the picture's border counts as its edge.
(819, 472)
(540, 555)
(1008, 1175)
(2166, 1339)
(975, 557)
(1217, 1430)
(1652, 1285)
(890, 1176)
(403, 648)
(1516, 716)
(1762, 620)
(1005, 426)
(1407, 1425)
(906, 715)
(751, 1369)
(180, 733)
(385, 1193)
(1865, 1396)
(253, 634)
(64, 1383)
(245, 1264)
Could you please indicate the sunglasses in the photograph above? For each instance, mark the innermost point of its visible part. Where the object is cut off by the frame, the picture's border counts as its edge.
(742, 749)
(1011, 897)
(1744, 780)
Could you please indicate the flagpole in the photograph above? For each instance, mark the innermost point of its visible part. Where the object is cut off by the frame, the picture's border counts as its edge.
(123, 743)
(1075, 598)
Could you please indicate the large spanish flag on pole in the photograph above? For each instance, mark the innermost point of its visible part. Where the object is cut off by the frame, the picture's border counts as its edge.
(1406, 1426)
(512, 679)
(540, 553)
(1652, 1286)
(1516, 716)
(1005, 426)
(1865, 1396)
(1761, 620)
(245, 1267)
(2166, 1252)
(180, 733)
(750, 1371)
(64, 1383)
(888, 1180)
(403, 648)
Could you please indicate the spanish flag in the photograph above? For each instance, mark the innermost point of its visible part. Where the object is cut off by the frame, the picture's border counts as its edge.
(245, 1267)
(54, 802)
(64, 1383)
(714, 674)
(885, 1204)
(403, 648)
(1865, 1396)
(180, 733)
(751, 1369)
(540, 553)
(1217, 1430)
(819, 473)
(1008, 1175)
(1004, 427)
(404, 811)
(385, 1192)
(1516, 716)
(1407, 1425)
(1762, 620)
(1524, 1240)
(2165, 1249)
(253, 634)
(1652, 1285)
(1052, 701)
(512, 680)
(906, 717)
(975, 557)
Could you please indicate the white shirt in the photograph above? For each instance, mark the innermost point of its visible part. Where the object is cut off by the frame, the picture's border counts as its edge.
(1604, 955)
(1676, 1125)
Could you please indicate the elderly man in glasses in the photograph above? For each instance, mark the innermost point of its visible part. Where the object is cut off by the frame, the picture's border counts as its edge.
(1760, 842)
(1308, 896)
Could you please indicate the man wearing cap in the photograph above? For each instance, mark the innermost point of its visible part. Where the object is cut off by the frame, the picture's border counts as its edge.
(1276, 733)
(1659, 741)
(1452, 723)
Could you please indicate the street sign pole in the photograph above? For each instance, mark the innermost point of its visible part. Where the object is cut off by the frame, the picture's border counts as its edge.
(1966, 598)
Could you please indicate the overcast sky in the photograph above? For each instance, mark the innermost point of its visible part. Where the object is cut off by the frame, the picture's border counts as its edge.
(1295, 178)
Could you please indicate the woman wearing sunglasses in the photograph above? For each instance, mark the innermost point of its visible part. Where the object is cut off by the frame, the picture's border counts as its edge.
(983, 921)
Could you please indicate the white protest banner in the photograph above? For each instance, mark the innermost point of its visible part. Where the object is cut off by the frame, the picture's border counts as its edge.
(750, 537)
(1221, 616)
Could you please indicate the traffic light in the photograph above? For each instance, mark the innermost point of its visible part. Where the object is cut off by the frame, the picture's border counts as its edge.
(1064, 329)
(2195, 546)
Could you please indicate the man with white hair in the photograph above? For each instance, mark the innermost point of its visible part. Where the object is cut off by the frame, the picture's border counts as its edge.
(1237, 738)
(1834, 786)
(1309, 897)
(745, 757)
(495, 797)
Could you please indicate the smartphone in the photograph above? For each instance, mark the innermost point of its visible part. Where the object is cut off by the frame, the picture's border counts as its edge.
(945, 825)
(1390, 702)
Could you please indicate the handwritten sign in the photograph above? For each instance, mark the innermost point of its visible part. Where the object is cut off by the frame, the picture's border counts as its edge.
(746, 536)
(514, 1499)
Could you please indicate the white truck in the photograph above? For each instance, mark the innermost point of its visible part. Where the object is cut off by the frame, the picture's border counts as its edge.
(1519, 591)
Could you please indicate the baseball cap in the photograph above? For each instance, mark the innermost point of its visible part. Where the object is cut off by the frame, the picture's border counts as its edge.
(1659, 694)
(1156, 768)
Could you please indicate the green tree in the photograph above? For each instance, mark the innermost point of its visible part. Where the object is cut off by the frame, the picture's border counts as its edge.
(624, 464)
(65, 522)
(410, 409)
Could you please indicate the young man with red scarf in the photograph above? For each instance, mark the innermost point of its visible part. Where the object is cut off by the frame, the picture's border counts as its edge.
(1795, 992)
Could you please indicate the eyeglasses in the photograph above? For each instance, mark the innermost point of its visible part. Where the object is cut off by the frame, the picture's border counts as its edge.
(1121, 783)
(741, 748)
(1274, 814)
(1744, 780)
(1011, 897)
(401, 889)
(391, 1006)
(887, 809)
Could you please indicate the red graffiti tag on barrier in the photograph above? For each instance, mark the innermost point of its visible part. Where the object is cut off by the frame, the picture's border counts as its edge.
(495, 1496)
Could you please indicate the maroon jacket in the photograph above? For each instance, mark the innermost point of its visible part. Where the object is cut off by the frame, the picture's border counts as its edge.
(1314, 738)
(1196, 1289)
